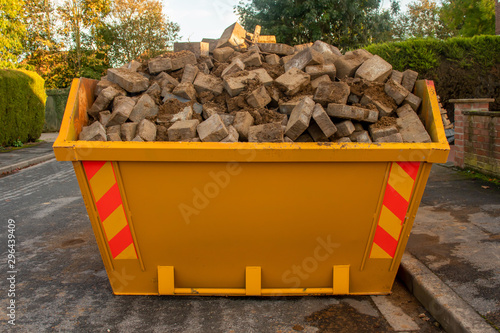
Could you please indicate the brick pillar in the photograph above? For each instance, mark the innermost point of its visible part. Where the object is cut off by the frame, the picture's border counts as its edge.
(461, 132)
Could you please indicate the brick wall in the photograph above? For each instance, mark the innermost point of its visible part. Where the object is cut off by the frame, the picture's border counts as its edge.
(477, 136)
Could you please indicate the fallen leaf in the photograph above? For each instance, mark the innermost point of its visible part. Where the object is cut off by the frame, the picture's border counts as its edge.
(485, 187)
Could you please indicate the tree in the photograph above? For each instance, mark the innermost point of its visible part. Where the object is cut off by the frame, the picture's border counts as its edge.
(422, 20)
(344, 23)
(82, 19)
(39, 19)
(138, 27)
(12, 31)
(469, 17)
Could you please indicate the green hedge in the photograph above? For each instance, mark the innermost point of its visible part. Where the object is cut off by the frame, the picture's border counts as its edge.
(461, 67)
(423, 55)
(22, 106)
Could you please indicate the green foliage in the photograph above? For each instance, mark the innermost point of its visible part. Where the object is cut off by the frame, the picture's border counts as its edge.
(345, 24)
(22, 106)
(469, 17)
(137, 27)
(423, 55)
(12, 32)
(421, 20)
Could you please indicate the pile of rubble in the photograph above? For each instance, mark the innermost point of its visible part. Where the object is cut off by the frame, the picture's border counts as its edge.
(239, 89)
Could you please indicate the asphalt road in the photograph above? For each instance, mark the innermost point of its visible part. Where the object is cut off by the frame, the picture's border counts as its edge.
(60, 283)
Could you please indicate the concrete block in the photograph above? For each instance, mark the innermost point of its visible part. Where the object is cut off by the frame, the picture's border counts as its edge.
(115, 129)
(209, 83)
(94, 132)
(287, 139)
(113, 137)
(198, 48)
(104, 83)
(293, 81)
(262, 75)
(168, 96)
(413, 100)
(344, 128)
(160, 64)
(235, 66)
(258, 98)
(342, 140)
(300, 47)
(315, 83)
(397, 76)
(358, 127)
(332, 92)
(227, 119)
(380, 132)
(242, 122)
(132, 66)
(330, 53)
(286, 59)
(396, 91)
(154, 90)
(146, 130)
(183, 130)
(104, 117)
(233, 36)
(411, 128)
(181, 61)
(360, 136)
(276, 48)
(122, 108)
(233, 135)
(374, 69)
(145, 107)
(223, 54)
(212, 129)
(396, 137)
(352, 112)
(323, 121)
(185, 90)
(251, 59)
(212, 43)
(316, 133)
(316, 71)
(128, 131)
(300, 118)
(409, 79)
(102, 101)
(130, 81)
(197, 108)
(353, 99)
(383, 109)
(347, 64)
(185, 114)
(287, 107)
(271, 132)
(137, 139)
(190, 72)
(306, 57)
(236, 83)
(273, 59)
(164, 79)
(304, 137)
(209, 110)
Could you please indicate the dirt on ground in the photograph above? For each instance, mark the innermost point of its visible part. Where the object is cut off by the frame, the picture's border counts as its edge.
(385, 122)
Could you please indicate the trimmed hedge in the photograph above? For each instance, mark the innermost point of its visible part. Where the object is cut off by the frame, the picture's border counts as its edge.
(461, 67)
(22, 106)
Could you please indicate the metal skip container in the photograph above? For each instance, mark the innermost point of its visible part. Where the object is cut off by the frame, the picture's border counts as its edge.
(193, 218)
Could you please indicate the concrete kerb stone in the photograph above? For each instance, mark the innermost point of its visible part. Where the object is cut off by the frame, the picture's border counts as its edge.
(27, 163)
(451, 311)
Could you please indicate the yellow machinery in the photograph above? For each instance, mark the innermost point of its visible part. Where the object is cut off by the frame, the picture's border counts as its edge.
(190, 218)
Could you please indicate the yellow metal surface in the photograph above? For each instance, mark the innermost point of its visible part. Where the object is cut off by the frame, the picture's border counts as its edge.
(341, 280)
(243, 218)
(253, 281)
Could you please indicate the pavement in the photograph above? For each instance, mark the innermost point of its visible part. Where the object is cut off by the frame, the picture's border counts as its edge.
(451, 267)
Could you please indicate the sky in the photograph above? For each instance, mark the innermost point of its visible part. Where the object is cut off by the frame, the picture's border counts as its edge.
(200, 19)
